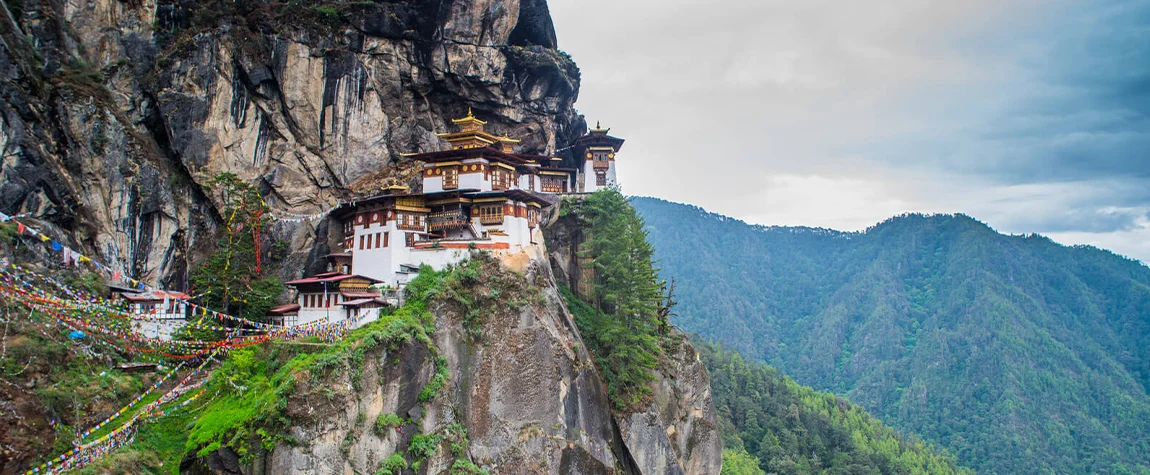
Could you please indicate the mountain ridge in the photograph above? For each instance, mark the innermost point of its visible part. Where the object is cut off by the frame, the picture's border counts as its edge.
(1013, 352)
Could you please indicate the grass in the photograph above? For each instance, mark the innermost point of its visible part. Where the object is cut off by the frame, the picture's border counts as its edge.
(435, 386)
(125, 416)
(158, 448)
(423, 446)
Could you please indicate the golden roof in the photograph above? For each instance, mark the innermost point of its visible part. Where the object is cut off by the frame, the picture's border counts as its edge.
(470, 119)
(506, 139)
(599, 129)
(394, 187)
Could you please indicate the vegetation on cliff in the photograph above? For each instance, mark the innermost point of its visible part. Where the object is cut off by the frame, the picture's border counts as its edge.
(773, 425)
(1016, 354)
(625, 318)
(234, 280)
(253, 388)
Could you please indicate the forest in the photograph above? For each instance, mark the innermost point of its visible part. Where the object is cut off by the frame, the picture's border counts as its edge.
(1014, 353)
(771, 424)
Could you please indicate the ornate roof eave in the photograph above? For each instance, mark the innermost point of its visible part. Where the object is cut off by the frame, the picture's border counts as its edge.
(469, 119)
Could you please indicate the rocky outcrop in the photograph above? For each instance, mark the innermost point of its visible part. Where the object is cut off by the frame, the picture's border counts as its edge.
(677, 432)
(115, 114)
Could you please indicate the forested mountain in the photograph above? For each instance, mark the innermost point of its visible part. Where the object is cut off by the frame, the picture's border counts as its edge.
(771, 423)
(1017, 354)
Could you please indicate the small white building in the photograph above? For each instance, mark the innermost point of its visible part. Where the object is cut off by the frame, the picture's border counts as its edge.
(332, 297)
(598, 157)
(156, 313)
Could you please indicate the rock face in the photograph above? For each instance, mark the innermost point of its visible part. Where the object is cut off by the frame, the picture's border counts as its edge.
(678, 432)
(116, 113)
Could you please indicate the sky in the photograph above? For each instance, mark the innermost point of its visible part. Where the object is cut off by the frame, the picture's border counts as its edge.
(1031, 116)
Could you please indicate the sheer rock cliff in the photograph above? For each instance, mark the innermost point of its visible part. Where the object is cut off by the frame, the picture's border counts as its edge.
(115, 114)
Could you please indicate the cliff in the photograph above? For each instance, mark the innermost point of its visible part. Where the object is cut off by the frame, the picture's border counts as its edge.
(497, 378)
(115, 114)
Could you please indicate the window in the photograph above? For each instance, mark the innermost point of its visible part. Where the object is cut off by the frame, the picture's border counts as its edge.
(385, 239)
(500, 179)
(600, 178)
(450, 178)
(377, 241)
(410, 239)
(553, 184)
(491, 214)
(532, 217)
(348, 243)
(407, 221)
(361, 243)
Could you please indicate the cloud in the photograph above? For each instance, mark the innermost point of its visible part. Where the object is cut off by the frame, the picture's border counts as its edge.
(1031, 115)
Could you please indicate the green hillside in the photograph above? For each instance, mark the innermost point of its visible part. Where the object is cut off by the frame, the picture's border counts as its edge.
(770, 421)
(1015, 353)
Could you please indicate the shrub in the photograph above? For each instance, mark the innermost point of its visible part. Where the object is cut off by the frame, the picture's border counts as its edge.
(393, 465)
(423, 445)
(387, 421)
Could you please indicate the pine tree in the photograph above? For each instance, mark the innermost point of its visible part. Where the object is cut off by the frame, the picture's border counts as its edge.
(625, 328)
(232, 279)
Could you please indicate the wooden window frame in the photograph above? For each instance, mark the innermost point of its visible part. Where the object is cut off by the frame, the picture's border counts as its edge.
(490, 214)
(501, 179)
(552, 184)
(450, 178)
(409, 221)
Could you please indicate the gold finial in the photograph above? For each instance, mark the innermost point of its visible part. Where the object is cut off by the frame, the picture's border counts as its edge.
(469, 112)
(597, 126)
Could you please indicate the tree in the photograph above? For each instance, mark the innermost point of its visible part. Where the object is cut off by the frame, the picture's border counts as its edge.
(739, 462)
(630, 302)
(232, 279)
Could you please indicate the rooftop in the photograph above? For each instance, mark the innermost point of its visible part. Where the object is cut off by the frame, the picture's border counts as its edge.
(329, 277)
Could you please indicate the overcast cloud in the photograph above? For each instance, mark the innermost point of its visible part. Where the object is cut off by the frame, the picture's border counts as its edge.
(1033, 116)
